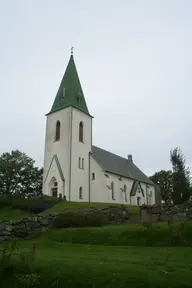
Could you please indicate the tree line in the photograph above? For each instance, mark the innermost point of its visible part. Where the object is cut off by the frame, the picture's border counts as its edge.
(19, 175)
(174, 185)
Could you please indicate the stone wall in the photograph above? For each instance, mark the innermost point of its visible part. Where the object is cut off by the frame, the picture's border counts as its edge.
(166, 212)
(27, 228)
(115, 214)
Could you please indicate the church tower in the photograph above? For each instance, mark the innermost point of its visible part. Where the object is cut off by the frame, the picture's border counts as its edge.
(68, 141)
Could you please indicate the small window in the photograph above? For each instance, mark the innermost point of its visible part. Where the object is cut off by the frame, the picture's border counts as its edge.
(64, 92)
(79, 163)
(81, 131)
(82, 163)
(107, 176)
(79, 98)
(112, 191)
(80, 193)
(93, 176)
(55, 184)
(139, 201)
(57, 132)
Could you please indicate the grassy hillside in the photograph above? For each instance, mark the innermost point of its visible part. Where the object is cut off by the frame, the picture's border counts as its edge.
(103, 257)
(16, 208)
(159, 234)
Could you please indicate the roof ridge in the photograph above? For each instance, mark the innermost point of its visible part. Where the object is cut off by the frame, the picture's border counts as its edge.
(112, 153)
(118, 165)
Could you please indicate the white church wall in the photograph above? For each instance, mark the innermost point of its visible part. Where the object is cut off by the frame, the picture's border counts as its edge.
(101, 193)
(119, 184)
(80, 176)
(60, 148)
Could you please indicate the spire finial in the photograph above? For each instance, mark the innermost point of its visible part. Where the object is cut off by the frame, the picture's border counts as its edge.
(72, 50)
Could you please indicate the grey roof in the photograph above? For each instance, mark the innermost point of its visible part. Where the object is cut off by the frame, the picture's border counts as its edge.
(118, 165)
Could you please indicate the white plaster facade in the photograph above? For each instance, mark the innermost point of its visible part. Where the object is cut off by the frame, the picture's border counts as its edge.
(63, 165)
(101, 188)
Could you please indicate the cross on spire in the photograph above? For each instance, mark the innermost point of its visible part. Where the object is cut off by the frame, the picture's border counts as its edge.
(72, 50)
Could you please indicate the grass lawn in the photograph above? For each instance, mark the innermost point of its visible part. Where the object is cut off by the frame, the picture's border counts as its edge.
(69, 265)
(9, 213)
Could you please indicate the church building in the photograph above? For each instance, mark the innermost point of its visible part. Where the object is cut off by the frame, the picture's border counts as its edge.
(77, 170)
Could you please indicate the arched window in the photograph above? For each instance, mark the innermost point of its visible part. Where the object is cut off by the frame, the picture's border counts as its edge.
(112, 191)
(81, 131)
(125, 190)
(80, 193)
(57, 132)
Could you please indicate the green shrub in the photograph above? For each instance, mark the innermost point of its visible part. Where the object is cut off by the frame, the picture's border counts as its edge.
(79, 219)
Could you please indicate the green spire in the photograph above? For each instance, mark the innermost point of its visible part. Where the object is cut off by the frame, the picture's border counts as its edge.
(70, 92)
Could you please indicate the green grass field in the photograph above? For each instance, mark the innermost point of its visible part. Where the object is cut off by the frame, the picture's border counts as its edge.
(77, 265)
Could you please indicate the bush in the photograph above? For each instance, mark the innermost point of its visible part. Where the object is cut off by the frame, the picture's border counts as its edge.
(79, 219)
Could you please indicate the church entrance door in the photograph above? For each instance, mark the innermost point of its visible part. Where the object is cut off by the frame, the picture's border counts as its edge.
(53, 187)
(54, 192)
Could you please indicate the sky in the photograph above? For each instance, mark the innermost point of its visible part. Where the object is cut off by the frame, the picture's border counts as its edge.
(134, 62)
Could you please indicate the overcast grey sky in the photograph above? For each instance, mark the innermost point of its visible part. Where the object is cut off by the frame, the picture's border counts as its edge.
(135, 66)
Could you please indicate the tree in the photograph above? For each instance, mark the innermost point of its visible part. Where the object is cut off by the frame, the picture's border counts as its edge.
(164, 180)
(181, 177)
(18, 174)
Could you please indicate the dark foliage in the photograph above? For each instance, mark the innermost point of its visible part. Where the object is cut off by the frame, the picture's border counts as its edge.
(164, 180)
(181, 177)
(79, 219)
(35, 206)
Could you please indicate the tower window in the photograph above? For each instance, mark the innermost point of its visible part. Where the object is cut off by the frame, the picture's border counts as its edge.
(81, 131)
(82, 163)
(57, 131)
(80, 193)
(93, 176)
